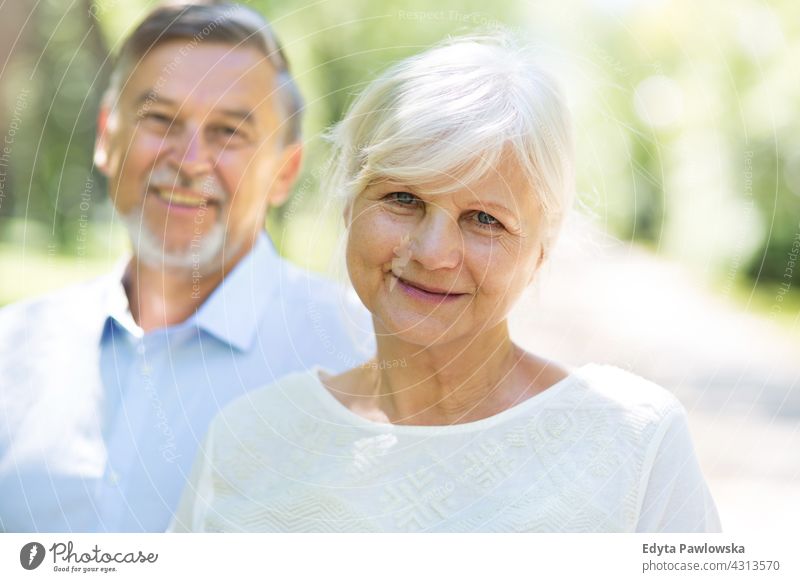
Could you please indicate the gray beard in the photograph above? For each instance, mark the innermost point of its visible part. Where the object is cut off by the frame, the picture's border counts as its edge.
(201, 256)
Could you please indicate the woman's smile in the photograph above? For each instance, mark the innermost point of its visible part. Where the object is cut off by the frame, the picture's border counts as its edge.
(422, 292)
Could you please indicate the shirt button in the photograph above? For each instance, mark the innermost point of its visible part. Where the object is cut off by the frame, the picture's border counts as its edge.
(113, 478)
(140, 349)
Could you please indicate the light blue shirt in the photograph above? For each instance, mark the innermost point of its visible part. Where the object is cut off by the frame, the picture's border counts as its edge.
(100, 422)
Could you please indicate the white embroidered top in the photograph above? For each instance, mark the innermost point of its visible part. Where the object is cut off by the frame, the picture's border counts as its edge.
(601, 451)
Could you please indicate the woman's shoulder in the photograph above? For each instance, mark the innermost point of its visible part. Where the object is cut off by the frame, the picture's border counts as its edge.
(624, 393)
(266, 408)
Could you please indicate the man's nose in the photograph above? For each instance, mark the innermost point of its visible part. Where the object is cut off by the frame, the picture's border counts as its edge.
(191, 155)
(437, 241)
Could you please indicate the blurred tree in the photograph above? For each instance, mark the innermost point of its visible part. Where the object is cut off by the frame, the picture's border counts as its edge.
(685, 113)
(13, 38)
(58, 75)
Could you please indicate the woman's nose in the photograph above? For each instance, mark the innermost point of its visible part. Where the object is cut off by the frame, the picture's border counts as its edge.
(437, 241)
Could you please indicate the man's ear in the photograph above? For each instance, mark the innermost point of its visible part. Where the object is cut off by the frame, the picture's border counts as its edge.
(101, 141)
(288, 169)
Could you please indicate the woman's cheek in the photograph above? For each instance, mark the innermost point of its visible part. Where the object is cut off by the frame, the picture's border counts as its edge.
(384, 231)
(494, 265)
(369, 244)
(485, 257)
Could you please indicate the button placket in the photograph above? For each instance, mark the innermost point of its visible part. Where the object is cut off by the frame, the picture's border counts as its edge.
(124, 446)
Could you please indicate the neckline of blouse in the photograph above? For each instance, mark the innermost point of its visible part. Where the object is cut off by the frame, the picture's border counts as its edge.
(332, 404)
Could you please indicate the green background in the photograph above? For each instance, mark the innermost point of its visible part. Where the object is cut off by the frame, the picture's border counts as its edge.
(686, 124)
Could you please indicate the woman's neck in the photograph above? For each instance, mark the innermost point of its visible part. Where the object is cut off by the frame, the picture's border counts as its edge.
(453, 383)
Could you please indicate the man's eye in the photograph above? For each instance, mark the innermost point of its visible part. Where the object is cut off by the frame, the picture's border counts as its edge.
(227, 130)
(403, 198)
(157, 117)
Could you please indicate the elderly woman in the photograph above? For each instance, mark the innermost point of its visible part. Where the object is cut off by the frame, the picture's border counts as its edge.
(457, 170)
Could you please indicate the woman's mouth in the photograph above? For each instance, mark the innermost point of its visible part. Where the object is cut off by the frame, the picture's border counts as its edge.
(424, 293)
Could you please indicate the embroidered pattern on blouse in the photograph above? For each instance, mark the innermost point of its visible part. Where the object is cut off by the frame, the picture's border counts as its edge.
(570, 466)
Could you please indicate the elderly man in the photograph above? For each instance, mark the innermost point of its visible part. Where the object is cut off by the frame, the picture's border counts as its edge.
(107, 388)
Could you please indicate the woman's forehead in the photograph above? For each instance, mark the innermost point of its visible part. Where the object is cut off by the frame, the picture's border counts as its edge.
(505, 179)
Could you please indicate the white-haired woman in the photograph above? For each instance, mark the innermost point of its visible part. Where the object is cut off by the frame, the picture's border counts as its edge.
(457, 167)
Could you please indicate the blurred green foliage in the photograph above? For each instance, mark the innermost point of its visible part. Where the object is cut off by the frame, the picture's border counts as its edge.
(685, 114)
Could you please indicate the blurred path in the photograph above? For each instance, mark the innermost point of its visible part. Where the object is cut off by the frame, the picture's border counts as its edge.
(737, 374)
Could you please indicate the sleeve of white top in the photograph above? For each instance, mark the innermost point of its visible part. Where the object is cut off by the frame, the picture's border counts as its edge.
(197, 493)
(674, 496)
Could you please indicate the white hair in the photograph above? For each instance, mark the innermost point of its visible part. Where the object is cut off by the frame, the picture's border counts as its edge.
(456, 110)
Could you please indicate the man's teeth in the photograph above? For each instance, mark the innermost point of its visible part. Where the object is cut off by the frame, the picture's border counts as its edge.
(181, 199)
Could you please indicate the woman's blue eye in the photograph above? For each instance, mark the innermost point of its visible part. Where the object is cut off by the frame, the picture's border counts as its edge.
(404, 198)
(487, 219)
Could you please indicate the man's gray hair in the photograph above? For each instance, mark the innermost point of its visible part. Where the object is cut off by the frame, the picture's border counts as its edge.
(232, 24)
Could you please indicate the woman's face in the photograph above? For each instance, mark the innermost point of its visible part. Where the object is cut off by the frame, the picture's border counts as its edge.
(434, 268)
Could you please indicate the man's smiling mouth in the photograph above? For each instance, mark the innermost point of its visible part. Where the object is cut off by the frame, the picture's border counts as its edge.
(182, 198)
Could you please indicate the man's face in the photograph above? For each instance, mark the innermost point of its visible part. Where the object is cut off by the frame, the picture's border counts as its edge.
(194, 155)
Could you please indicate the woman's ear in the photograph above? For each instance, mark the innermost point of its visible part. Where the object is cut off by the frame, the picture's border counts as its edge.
(539, 263)
(347, 213)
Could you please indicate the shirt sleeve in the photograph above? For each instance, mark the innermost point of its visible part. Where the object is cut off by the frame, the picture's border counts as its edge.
(675, 495)
(198, 492)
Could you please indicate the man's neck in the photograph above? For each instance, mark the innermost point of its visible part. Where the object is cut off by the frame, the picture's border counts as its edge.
(161, 296)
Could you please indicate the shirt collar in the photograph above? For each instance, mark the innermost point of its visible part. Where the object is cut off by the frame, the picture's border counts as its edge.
(232, 312)
(117, 308)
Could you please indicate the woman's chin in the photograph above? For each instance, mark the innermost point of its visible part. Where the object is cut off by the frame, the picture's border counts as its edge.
(424, 331)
